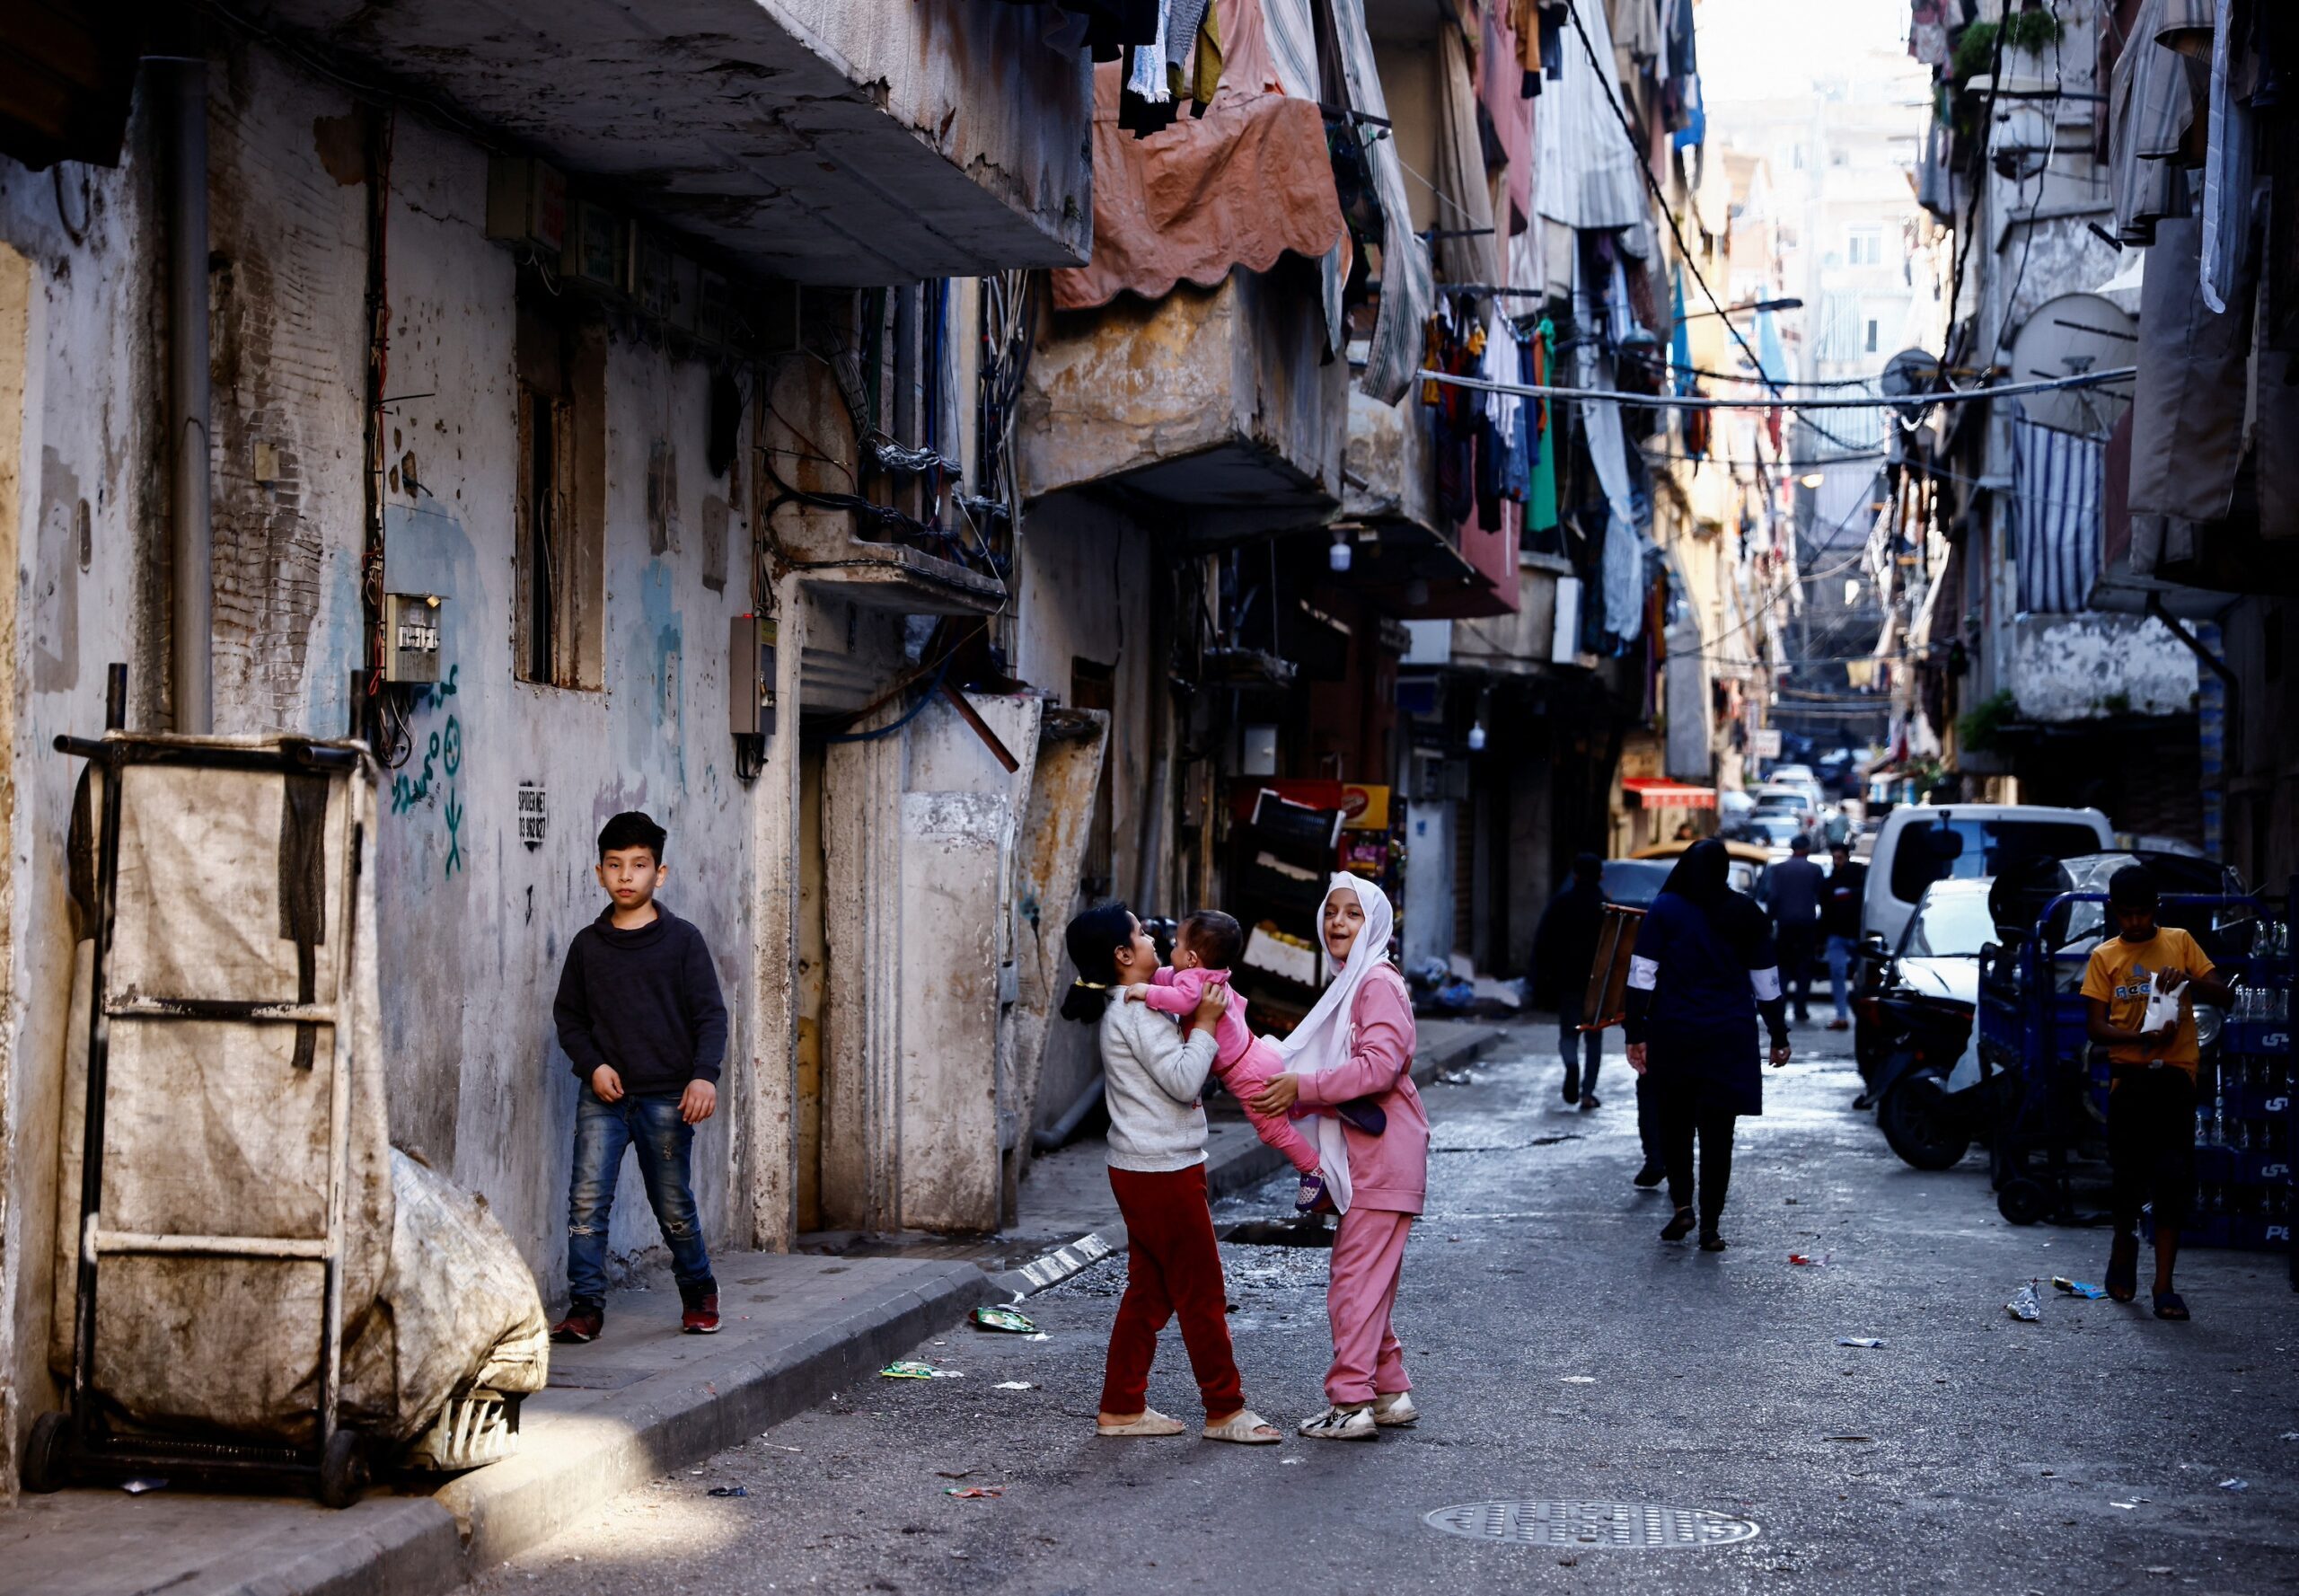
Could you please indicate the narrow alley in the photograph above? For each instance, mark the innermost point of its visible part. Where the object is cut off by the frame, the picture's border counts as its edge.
(1562, 1353)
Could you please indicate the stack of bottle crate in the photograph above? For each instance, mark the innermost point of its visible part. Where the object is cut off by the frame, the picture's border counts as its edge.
(2246, 1121)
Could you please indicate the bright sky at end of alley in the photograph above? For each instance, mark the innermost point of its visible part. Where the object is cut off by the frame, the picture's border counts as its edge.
(1753, 49)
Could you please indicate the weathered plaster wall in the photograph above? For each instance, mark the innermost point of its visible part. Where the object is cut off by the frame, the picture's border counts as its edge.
(88, 504)
(470, 913)
(2085, 668)
(288, 263)
(1086, 594)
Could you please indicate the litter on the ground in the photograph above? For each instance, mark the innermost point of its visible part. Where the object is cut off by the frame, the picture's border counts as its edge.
(2023, 1306)
(1866, 1341)
(2234, 1484)
(729, 1491)
(136, 1487)
(1014, 1385)
(2080, 1288)
(955, 1473)
(914, 1369)
(997, 1316)
(1805, 1260)
(974, 1493)
(2159, 1570)
(1580, 1379)
(1848, 1438)
(1040, 1336)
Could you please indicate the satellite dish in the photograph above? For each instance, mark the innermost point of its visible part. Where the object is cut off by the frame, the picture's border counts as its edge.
(2068, 337)
(1911, 371)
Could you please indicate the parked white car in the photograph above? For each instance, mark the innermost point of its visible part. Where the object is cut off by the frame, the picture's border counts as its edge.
(1921, 844)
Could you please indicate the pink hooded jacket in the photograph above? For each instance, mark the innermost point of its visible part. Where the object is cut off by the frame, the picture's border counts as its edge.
(1391, 1170)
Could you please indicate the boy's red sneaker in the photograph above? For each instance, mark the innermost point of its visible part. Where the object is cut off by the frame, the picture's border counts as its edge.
(583, 1323)
(700, 1315)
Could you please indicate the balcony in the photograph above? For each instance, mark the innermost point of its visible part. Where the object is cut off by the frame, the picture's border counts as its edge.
(1213, 402)
(821, 141)
(1541, 634)
(1420, 569)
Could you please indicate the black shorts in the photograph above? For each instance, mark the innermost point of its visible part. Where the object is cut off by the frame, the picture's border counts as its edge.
(2151, 1144)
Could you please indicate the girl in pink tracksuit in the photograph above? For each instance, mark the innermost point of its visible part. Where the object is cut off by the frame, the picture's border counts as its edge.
(1358, 1042)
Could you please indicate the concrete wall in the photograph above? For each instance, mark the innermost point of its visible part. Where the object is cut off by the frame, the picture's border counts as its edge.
(475, 925)
(82, 394)
(2084, 667)
(1086, 593)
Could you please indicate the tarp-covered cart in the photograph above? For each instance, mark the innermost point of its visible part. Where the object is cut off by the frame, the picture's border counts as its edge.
(254, 1287)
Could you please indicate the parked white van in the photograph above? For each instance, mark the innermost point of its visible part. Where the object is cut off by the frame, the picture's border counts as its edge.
(1920, 844)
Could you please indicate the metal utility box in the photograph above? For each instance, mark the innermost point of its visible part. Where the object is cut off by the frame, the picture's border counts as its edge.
(750, 676)
(526, 204)
(598, 247)
(411, 629)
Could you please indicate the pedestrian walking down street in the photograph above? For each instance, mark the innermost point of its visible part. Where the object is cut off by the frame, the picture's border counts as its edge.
(1151, 1081)
(1846, 889)
(1702, 969)
(1792, 893)
(643, 1026)
(1564, 948)
(1358, 1042)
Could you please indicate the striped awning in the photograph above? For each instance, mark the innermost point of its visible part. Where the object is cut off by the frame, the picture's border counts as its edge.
(2057, 480)
(1651, 792)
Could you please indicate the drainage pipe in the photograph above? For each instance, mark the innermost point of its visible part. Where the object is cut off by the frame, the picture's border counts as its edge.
(1057, 1134)
(192, 540)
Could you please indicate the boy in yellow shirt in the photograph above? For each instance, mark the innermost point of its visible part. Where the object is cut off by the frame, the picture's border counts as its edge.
(2151, 1080)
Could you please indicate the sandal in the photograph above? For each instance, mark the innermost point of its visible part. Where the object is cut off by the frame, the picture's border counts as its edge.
(2170, 1305)
(1678, 1228)
(1151, 1423)
(1245, 1427)
(2123, 1267)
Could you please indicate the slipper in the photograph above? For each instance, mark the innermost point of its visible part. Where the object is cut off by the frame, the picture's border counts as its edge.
(1245, 1427)
(1151, 1423)
(2123, 1268)
(2170, 1305)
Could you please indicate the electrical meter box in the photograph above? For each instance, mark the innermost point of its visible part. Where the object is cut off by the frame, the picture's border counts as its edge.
(750, 676)
(411, 636)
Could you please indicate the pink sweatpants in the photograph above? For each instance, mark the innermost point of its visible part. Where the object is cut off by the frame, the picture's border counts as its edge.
(1243, 1080)
(1367, 1256)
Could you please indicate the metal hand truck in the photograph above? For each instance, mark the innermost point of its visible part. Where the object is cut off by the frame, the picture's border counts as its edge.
(84, 1443)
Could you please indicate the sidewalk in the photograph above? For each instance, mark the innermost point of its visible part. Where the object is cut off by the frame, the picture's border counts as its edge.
(640, 1401)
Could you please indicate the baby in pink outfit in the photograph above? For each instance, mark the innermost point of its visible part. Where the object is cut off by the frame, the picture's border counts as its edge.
(1206, 943)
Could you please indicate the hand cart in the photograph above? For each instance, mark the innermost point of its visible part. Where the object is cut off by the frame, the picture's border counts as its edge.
(2052, 1130)
(93, 1441)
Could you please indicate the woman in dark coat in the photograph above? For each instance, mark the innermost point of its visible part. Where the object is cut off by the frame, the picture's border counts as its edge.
(1702, 969)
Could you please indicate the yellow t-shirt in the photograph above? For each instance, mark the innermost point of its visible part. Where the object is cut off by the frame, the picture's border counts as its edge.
(2120, 975)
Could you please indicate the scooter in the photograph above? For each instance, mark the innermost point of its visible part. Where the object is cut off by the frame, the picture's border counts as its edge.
(1934, 1097)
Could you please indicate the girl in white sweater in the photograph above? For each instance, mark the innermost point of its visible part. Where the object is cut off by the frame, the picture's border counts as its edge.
(1151, 1078)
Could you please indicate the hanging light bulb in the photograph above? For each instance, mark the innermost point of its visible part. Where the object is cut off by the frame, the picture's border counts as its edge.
(1476, 737)
(1339, 555)
(1813, 479)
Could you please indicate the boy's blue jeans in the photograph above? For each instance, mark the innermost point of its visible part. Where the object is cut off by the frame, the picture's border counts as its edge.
(601, 1130)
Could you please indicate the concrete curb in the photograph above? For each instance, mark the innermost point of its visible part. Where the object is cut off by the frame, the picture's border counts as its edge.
(1240, 1169)
(668, 1422)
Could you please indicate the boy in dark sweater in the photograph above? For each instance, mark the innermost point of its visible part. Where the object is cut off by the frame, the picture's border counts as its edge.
(641, 1018)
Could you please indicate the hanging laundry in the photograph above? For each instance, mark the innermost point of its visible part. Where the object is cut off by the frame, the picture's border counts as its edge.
(1540, 491)
(1147, 106)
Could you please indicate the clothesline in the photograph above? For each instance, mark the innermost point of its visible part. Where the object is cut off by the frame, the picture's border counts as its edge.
(1700, 402)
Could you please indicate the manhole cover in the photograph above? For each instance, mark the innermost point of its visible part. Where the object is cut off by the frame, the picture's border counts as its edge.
(1628, 1525)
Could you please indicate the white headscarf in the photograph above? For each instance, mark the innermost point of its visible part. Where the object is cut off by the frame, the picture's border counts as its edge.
(1321, 1041)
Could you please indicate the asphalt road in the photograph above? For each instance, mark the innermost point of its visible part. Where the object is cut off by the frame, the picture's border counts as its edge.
(1560, 1351)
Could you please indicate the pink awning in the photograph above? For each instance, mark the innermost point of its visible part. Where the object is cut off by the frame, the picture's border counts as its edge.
(1240, 185)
